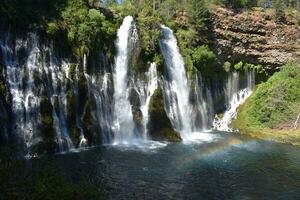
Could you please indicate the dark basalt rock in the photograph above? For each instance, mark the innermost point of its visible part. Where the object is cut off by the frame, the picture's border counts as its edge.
(159, 126)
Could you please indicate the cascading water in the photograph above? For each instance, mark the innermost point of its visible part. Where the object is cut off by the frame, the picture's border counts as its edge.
(189, 118)
(176, 86)
(235, 96)
(202, 105)
(57, 92)
(124, 127)
(115, 106)
(41, 75)
(101, 89)
(25, 104)
(145, 93)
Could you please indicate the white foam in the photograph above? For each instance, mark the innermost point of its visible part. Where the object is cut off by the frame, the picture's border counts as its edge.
(200, 137)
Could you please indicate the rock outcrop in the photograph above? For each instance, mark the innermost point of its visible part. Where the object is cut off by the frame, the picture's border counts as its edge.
(159, 126)
(255, 37)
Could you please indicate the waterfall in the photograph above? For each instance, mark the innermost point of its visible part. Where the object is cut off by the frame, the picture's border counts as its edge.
(235, 96)
(202, 105)
(149, 91)
(25, 104)
(93, 104)
(57, 93)
(29, 79)
(124, 127)
(176, 85)
(101, 89)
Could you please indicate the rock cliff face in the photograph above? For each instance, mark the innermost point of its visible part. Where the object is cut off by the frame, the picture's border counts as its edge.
(255, 37)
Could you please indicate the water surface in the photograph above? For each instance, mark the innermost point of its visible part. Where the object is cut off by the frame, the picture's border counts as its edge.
(217, 166)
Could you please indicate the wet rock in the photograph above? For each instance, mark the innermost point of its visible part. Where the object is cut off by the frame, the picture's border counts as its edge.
(134, 98)
(159, 126)
(46, 127)
(138, 118)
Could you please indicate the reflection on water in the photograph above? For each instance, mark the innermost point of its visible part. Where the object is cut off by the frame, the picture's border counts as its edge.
(218, 166)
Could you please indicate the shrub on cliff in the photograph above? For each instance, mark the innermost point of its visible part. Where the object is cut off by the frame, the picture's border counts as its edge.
(279, 10)
(202, 56)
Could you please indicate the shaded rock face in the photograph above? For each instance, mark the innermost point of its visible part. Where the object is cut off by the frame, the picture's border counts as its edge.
(255, 37)
(159, 126)
(5, 110)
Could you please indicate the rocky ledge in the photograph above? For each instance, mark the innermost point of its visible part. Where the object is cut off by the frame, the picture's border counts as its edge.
(254, 36)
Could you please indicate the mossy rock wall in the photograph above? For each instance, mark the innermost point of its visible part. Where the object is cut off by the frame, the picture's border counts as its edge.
(159, 126)
(46, 127)
(5, 110)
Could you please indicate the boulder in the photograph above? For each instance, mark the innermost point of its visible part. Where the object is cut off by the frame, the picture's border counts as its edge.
(159, 126)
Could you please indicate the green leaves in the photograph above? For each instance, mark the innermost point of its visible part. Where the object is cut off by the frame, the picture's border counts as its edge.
(86, 28)
(277, 100)
(202, 56)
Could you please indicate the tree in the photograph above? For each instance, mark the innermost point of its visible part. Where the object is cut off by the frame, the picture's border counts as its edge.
(168, 9)
(86, 28)
(279, 7)
(203, 56)
(239, 3)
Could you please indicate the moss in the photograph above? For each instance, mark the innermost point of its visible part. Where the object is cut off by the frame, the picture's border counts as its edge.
(273, 107)
(71, 117)
(47, 130)
(227, 66)
(72, 71)
(2, 88)
(70, 103)
(139, 64)
(88, 125)
(82, 87)
(238, 66)
(159, 126)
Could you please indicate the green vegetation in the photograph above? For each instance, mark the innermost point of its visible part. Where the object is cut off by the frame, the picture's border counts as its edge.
(241, 66)
(85, 27)
(3, 88)
(227, 66)
(279, 9)
(202, 56)
(29, 14)
(47, 129)
(71, 116)
(273, 107)
(160, 127)
(88, 124)
(89, 28)
(238, 3)
(189, 21)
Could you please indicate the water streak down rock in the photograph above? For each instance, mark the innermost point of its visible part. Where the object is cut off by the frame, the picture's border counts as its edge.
(124, 126)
